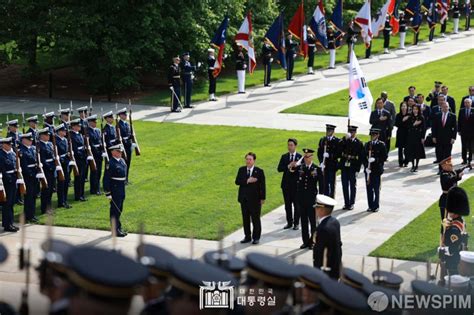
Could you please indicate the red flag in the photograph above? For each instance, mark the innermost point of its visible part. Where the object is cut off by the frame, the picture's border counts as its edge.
(297, 27)
(244, 37)
(393, 12)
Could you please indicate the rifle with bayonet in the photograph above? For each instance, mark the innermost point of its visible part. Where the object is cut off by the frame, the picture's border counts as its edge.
(90, 156)
(3, 196)
(57, 161)
(19, 175)
(104, 144)
(39, 169)
(72, 158)
(133, 136)
(119, 137)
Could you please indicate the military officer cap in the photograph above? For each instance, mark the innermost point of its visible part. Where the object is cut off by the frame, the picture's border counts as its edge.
(32, 119)
(209, 50)
(157, 259)
(105, 273)
(324, 201)
(122, 111)
(457, 201)
(368, 288)
(387, 279)
(82, 109)
(225, 261)
(353, 278)
(8, 140)
(311, 277)
(55, 255)
(186, 53)
(330, 127)
(352, 128)
(424, 287)
(374, 131)
(75, 122)
(108, 114)
(3, 253)
(117, 147)
(43, 131)
(269, 269)
(343, 298)
(49, 115)
(438, 83)
(92, 118)
(65, 111)
(306, 151)
(445, 161)
(13, 123)
(61, 127)
(28, 135)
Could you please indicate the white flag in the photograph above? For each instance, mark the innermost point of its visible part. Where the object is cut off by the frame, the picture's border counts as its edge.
(364, 20)
(244, 37)
(360, 98)
(378, 23)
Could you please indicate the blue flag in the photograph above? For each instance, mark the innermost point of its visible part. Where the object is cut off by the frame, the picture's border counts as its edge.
(276, 37)
(318, 25)
(336, 22)
(413, 10)
(218, 41)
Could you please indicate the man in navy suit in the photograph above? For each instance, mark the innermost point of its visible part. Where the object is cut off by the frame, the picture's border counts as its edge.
(466, 130)
(444, 130)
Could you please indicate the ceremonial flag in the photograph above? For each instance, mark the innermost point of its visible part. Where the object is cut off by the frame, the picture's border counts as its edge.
(442, 10)
(430, 7)
(318, 25)
(363, 19)
(244, 37)
(297, 27)
(360, 98)
(276, 37)
(413, 9)
(336, 22)
(218, 41)
(379, 21)
(394, 19)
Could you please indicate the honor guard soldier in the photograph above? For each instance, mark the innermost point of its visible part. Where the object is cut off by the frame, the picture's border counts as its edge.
(467, 11)
(48, 122)
(114, 186)
(33, 127)
(187, 75)
(307, 189)
(352, 155)
(240, 67)
(8, 170)
(13, 132)
(109, 132)
(381, 119)
(311, 39)
(211, 61)
(455, 236)
(351, 38)
(126, 134)
(225, 261)
(28, 165)
(328, 245)
(402, 30)
(95, 139)
(332, 47)
(456, 14)
(65, 116)
(433, 95)
(291, 46)
(62, 146)
(174, 83)
(340, 298)
(83, 114)
(289, 181)
(328, 155)
(387, 30)
(77, 141)
(267, 60)
(46, 152)
(312, 278)
(374, 159)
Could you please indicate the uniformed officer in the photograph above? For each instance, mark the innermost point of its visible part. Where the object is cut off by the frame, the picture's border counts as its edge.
(387, 30)
(109, 132)
(306, 194)
(83, 114)
(374, 159)
(13, 132)
(77, 141)
(46, 152)
(28, 167)
(328, 245)
(331, 47)
(291, 46)
(65, 116)
(456, 14)
(352, 155)
(187, 75)
(225, 261)
(114, 186)
(240, 67)
(8, 170)
(328, 155)
(48, 121)
(174, 83)
(433, 95)
(311, 39)
(211, 61)
(402, 30)
(267, 60)
(62, 146)
(33, 127)
(351, 39)
(95, 140)
(467, 11)
(126, 134)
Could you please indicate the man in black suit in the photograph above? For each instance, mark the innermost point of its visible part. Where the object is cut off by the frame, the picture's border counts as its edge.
(411, 93)
(328, 245)
(449, 99)
(381, 119)
(444, 129)
(288, 184)
(251, 182)
(374, 158)
(466, 130)
(470, 96)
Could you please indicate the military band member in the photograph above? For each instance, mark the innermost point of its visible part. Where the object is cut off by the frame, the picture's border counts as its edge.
(402, 30)
(13, 132)
(251, 196)
(28, 167)
(311, 40)
(381, 119)
(387, 30)
(267, 51)
(48, 122)
(328, 155)
(109, 132)
(62, 145)
(211, 61)
(47, 160)
(33, 127)
(374, 159)
(78, 147)
(444, 130)
(240, 67)
(187, 75)
(8, 170)
(95, 140)
(331, 47)
(352, 155)
(307, 189)
(126, 134)
(291, 46)
(114, 186)
(328, 238)
(289, 180)
(456, 14)
(174, 83)
(83, 114)
(466, 131)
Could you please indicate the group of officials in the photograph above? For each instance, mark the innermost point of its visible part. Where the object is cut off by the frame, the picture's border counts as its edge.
(41, 161)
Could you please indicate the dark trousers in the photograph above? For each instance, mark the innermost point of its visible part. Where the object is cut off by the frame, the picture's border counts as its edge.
(328, 184)
(175, 97)
(267, 73)
(386, 39)
(47, 193)
(350, 46)
(468, 22)
(79, 180)
(291, 206)
(416, 37)
(311, 50)
(307, 217)
(251, 213)
(188, 89)
(349, 185)
(29, 205)
(388, 141)
(443, 26)
(467, 143)
(290, 62)
(443, 151)
(212, 84)
(368, 51)
(402, 156)
(7, 206)
(373, 191)
(94, 181)
(431, 36)
(116, 203)
(63, 186)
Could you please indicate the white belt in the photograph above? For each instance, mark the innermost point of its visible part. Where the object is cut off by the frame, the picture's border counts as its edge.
(311, 45)
(96, 145)
(10, 172)
(49, 160)
(80, 148)
(119, 178)
(31, 165)
(125, 138)
(63, 155)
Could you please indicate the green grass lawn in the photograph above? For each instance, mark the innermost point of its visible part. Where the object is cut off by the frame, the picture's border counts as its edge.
(228, 83)
(419, 240)
(452, 71)
(183, 183)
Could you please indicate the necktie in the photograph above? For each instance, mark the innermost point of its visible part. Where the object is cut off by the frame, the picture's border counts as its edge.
(291, 157)
(444, 119)
(248, 172)
(467, 113)
(379, 112)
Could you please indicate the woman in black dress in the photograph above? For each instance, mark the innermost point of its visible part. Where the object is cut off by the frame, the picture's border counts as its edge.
(416, 138)
(402, 119)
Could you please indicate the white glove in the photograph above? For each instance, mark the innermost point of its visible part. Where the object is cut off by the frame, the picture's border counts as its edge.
(192, 76)
(348, 135)
(90, 158)
(40, 165)
(271, 59)
(294, 55)
(59, 168)
(225, 56)
(109, 196)
(72, 163)
(199, 64)
(466, 171)
(245, 66)
(322, 166)
(371, 160)
(104, 155)
(368, 171)
(326, 155)
(171, 88)
(40, 175)
(20, 181)
(134, 145)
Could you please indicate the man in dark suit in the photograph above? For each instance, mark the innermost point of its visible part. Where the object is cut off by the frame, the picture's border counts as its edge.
(328, 245)
(449, 99)
(374, 158)
(466, 130)
(381, 119)
(251, 182)
(444, 129)
(411, 93)
(470, 96)
(288, 184)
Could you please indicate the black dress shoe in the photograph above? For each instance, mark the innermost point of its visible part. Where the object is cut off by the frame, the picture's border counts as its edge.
(245, 240)
(369, 210)
(190, 106)
(82, 199)
(435, 162)
(296, 227)
(351, 207)
(310, 246)
(10, 229)
(33, 220)
(288, 226)
(345, 207)
(98, 193)
(120, 233)
(375, 210)
(255, 242)
(303, 246)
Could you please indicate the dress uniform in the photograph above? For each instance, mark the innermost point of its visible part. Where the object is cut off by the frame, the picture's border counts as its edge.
(46, 152)
(352, 155)
(267, 59)
(331, 47)
(448, 179)
(291, 46)
(387, 30)
(126, 134)
(33, 123)
(28, 166)
(211, 61)
(13, 132)
(456, 14)
(62, 145)
(65, 116)
(225, 261)
(114, 187)
(466, 131)
(109, 132)
(240, 67)
(48, 122)
(433, 95)
(77, 141)
(402, 30)
(312, 278)
(307, 189)
(311, 50)
(8, 170)
(83, 113)
(467, 11)
(374, 159)
(187, 75)
(328, 155)
(95, 140)
(174, 83)
(340, 298)
(351, 39)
